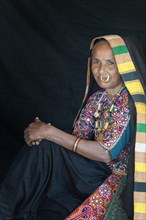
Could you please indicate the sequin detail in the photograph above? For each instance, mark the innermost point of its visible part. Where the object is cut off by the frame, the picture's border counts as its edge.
(96, 206)
(119, 118)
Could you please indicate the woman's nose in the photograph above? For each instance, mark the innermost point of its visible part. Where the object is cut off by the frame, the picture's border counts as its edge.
(102, 69)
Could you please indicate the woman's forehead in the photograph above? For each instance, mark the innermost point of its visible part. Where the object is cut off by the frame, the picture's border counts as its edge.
(102, 48)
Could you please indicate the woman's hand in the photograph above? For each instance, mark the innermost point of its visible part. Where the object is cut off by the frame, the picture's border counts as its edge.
(35, 132)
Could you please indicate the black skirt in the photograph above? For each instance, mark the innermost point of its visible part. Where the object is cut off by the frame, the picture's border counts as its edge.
(48, 182)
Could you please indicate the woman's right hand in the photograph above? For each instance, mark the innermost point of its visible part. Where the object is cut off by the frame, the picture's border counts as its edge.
(35, 132)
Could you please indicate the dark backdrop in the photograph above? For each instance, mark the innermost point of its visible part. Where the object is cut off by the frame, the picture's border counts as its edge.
(44, 47)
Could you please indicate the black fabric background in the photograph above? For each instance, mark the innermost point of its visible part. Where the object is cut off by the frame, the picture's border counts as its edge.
(44, 46)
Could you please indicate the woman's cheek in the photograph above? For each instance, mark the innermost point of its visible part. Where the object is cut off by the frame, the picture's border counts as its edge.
(94, 70)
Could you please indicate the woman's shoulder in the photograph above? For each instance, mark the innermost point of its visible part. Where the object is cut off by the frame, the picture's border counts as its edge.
(96, 95)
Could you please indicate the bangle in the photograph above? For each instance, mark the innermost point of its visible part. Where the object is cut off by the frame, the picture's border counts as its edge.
(76, 144)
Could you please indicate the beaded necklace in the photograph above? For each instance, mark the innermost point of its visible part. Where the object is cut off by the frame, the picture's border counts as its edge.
(103, 114)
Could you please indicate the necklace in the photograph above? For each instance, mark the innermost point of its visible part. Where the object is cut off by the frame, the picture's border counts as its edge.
(103, 115)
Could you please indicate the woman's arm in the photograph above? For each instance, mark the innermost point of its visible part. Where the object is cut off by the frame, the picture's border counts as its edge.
(41, 131)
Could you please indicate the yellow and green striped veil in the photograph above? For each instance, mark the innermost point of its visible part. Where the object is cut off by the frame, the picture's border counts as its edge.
(132, 76)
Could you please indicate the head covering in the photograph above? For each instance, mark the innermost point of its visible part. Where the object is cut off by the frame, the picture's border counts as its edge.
(131, 66)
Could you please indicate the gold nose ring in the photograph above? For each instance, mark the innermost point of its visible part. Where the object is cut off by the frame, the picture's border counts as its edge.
(104, 78)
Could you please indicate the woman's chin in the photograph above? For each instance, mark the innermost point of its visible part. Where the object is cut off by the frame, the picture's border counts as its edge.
(104, 85)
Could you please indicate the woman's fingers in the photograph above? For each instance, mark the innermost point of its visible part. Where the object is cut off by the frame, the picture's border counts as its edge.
(37, 119)
(31, 139)
(33, 133)
(37, 142)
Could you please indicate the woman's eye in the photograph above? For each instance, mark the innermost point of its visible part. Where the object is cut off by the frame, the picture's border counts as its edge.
(110, 62)
(96, 62)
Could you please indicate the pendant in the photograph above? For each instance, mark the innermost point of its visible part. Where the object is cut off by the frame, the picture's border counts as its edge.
(106, 125)
(100, 137)
(99, 106)
(96, 114)
(96, 124)
(111, 108)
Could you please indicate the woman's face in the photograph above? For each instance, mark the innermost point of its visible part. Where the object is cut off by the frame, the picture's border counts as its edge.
(104, 67)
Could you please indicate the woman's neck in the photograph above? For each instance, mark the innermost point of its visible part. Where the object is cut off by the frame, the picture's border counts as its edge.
(112, 92)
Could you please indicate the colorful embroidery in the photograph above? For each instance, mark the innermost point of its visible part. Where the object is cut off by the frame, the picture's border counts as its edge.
(96, 206)
(119, 117)
(116, 119)
(120, 164)
(99, 110)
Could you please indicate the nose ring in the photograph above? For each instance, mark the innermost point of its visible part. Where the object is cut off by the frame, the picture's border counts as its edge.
(104, 77)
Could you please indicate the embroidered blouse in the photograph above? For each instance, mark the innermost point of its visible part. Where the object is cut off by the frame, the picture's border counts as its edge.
(107, 121)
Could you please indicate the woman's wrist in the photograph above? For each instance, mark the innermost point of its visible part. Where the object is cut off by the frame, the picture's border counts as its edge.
(47, 131)
(43, 133)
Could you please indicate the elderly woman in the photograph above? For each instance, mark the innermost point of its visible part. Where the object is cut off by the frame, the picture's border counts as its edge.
(83, 175)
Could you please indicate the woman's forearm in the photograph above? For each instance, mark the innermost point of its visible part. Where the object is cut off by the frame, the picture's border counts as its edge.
(86, 148)
(60, 137)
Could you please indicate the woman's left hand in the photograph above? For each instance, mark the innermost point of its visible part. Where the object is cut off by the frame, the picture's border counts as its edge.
(35, 132)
